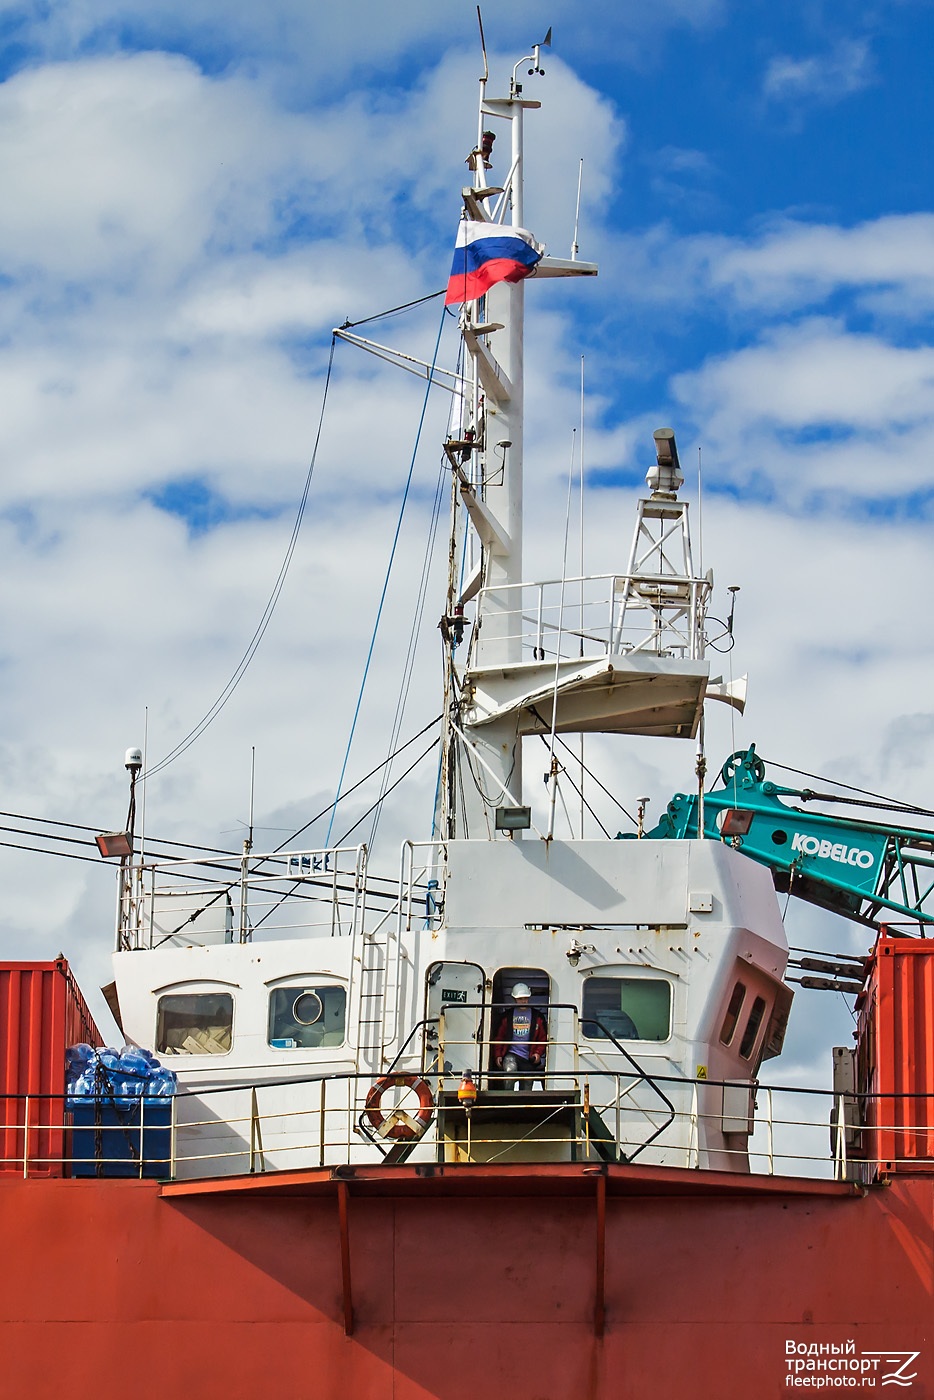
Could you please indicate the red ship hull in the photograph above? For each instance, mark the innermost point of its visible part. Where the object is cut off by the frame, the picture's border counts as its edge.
(545, 1283)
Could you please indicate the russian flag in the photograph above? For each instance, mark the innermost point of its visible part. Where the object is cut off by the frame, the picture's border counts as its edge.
(486, 254)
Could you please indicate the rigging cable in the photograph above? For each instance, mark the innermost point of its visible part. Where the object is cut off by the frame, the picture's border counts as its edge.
(886, 803)
(408, 668)
(289, 893)
(79, 826)
(373, 771)
(89, 845)
(580, 792)
(393, 310)
(42, 851)
(392, 556)
(412, 766)
(554, 699)
(594, 779)
(265, 619)
(590, 774)
(181, 845)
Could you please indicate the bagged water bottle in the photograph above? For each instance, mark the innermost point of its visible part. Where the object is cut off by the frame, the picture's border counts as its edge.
(120, 1076)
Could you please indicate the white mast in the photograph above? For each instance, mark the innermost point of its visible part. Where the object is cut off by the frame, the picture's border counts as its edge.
(621, 653)
(493, 329)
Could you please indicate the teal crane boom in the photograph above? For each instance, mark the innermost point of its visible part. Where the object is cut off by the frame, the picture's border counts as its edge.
(865, 870)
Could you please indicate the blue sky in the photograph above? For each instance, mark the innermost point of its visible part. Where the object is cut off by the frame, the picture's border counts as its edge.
(195, 195)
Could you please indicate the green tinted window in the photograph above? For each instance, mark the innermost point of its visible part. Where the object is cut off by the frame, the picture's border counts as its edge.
(626, 1008)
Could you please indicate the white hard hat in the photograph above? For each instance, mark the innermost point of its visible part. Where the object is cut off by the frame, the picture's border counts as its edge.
(521, 990)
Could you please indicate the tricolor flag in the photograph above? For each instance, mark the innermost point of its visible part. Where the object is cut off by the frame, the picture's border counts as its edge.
(486, 254)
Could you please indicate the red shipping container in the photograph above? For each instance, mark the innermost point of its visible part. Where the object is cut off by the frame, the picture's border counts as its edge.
(42, 1013)
(895, 1056)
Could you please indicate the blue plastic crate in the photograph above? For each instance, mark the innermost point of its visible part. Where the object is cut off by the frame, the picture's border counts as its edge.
(109, 1136)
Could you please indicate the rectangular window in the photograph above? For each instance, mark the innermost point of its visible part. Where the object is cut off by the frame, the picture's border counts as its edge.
(626, 1008)
(198, 1023)
(732, 1014)
(304, 1018)
(752, 1028)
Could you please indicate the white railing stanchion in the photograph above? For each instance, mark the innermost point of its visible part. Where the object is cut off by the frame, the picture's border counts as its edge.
(322, 1118)
(840, 1166)
(694, 1131)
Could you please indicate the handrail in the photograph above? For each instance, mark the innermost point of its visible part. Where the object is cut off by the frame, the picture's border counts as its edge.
(336, 878)
(664, 611)
(309, 1128)
(640, 1073)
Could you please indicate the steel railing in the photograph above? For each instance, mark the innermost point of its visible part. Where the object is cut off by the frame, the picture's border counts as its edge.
(582, 1115)
(228, 898)
(598, 615)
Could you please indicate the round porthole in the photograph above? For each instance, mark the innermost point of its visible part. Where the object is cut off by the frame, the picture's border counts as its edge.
(779, 837)
(307, 1008)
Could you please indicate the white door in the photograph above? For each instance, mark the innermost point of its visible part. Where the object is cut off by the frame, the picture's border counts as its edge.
(455, 993)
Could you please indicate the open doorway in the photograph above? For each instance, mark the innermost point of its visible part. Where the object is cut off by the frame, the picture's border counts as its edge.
(525, 1037)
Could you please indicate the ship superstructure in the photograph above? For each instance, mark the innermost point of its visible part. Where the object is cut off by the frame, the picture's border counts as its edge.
(633, 952)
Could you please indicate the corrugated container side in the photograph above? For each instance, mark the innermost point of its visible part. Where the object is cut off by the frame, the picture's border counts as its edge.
(897, 1026)
(42, 1012)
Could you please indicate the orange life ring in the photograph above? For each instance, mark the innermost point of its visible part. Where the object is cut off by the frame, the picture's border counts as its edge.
(399, 1124)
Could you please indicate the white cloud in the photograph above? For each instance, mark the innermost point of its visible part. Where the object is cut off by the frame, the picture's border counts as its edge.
(122, 166)
(819, 418)
(149, 339)
(824, 78)
(818, 375)
(302, 291)
(327, 46)
(682, 160)
(882, 266)
(796, 264)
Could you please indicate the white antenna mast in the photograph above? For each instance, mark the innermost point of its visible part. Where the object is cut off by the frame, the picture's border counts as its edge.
(577, 212)
(700, 765)
(252, 789)
(483, 80)
(553, 765)
(700, 512)
(245, 858)
(142, 816)
(582, 617)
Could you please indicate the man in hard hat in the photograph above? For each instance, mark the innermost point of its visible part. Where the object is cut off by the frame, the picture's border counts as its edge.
(520, 1038)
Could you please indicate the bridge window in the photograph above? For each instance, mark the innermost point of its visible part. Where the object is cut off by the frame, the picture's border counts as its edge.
(306, 1018)
(732, 1013)
(199, 1023)
(626, 1008)
(752, 1028)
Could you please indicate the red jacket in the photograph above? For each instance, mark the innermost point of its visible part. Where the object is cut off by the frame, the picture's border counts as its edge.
(502, 1039)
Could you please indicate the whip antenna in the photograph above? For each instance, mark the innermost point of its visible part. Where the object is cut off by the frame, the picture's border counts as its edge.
(483, 82)
(577, 211)
(486, 66)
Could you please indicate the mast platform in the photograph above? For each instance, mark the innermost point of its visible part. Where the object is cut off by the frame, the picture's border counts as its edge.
(616, 694)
